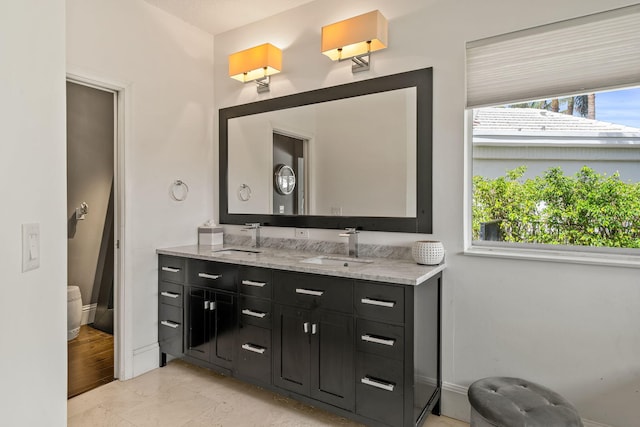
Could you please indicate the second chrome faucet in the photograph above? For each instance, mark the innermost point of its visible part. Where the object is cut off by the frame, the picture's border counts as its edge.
(352, 234)
(254, 227)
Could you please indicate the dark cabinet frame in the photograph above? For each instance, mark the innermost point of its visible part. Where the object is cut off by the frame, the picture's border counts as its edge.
(299, 371)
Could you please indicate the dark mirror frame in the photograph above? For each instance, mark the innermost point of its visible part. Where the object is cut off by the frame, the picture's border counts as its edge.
(421, 79)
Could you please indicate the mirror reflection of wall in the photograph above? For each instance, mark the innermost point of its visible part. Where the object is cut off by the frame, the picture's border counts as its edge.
(361, 151)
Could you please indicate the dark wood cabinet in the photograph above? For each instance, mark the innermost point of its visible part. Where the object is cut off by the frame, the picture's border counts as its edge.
(314, 344)
(255, 312)
(211, 326)
(366, 350)
(171, 274)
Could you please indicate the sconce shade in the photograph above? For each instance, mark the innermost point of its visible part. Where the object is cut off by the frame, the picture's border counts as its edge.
(352, 35)
(255, 63)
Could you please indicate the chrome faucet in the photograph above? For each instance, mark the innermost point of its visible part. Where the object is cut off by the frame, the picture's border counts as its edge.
(255, 233)
(352, 234)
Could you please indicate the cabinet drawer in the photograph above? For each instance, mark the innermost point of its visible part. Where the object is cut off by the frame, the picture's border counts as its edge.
(313, 291)
(379, 302)
(254, 359)
(215, 275)
(255, 311)
(256, 282)
(170, 294)
(380, 338)
(171, 268)
(379, 388)
(170, 329)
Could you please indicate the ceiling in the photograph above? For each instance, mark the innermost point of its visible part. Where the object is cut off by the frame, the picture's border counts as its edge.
(218, 16)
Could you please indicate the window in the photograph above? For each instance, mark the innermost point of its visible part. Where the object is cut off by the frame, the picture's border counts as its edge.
(555, 152)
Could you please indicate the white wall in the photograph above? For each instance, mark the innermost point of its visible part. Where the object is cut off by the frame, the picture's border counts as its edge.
(33, 365)
(572, 328)
(166, 67)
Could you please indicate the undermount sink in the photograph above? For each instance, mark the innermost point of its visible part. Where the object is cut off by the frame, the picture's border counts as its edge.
(336, 261)
(232, 251)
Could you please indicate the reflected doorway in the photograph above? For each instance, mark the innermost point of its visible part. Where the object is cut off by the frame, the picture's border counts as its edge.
(288, 187)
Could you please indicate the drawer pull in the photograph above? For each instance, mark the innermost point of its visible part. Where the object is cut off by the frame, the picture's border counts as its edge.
(169, 294)
(170, 324)
(252, 283)
(253, 313)
(249, 347)
(209, 276)
(171, 269)
(309, 292)
(377, 384)
(369, 338)
(370, 301)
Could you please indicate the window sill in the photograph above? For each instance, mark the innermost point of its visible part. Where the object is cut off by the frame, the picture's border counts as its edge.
(549, 255)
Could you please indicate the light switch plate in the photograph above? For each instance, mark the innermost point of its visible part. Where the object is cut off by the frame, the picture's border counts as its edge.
(30, 246)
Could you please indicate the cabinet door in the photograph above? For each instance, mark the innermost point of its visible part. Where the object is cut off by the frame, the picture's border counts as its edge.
(332, 359)
(200, 331)
(291, 346)
(224, 321)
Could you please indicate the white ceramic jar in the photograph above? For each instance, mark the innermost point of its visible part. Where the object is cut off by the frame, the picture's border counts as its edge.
(428, 252)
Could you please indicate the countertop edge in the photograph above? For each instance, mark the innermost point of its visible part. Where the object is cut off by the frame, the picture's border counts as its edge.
(381, 270)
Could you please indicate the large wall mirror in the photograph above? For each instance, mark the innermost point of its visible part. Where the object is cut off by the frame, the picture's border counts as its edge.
(360, 155)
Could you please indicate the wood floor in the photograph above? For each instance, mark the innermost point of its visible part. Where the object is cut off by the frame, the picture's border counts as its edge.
(90, 361)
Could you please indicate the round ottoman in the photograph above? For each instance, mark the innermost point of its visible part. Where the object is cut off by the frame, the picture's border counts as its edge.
(514, 402)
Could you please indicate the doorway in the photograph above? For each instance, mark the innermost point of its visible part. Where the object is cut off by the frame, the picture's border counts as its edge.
(289, 175)
(91, 198)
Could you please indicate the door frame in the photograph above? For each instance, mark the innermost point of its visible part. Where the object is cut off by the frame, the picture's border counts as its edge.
(122, 327)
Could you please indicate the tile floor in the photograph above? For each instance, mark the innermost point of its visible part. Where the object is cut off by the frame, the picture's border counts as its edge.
(185, 395)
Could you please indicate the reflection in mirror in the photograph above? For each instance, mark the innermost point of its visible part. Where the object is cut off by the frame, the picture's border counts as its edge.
(360, 154)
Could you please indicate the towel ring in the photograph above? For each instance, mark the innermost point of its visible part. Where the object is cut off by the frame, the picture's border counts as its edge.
(184, 190)
(244, 192)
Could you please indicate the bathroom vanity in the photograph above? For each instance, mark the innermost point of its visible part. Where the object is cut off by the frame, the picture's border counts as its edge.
(359, 338)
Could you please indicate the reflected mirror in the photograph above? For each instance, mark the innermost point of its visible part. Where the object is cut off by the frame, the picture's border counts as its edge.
(355, 155)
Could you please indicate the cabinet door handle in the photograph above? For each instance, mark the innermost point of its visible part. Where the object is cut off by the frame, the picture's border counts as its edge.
(377, 384)
(255, 349)
(169, 294)
(314, 329)
(305, 327)
(209, 276)
(369, 338)
(171, 269)
(309, 292)
(252, 283)
(212, 305)
(253, 313)
(170, 324)
(206, 305)
(370, 301)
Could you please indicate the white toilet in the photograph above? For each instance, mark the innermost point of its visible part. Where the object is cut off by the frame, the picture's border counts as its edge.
(74, 312)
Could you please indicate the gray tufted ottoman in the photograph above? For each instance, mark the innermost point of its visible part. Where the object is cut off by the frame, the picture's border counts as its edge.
(514, 402)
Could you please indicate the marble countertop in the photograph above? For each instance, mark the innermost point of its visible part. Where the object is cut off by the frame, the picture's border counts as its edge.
(399, 271)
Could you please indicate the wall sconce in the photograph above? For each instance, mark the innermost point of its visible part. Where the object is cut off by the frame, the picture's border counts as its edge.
(256, 64)
(355, 38)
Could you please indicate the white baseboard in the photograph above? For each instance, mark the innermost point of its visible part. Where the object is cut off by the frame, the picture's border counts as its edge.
(146, 359)
(455, 404)
(88, 314)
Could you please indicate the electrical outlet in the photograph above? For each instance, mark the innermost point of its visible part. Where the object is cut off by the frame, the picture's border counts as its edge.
(336, 210)
(302, 233)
